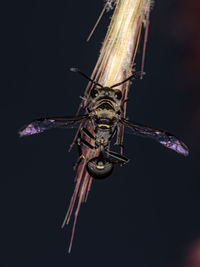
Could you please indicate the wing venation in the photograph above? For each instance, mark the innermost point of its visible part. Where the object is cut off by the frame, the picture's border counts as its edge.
(166, 139)
(40, 125)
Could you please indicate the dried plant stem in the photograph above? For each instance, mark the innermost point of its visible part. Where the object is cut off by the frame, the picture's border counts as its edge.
(114, 64)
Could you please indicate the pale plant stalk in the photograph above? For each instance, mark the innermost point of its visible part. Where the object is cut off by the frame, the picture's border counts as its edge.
(114, 64)
(120, 45)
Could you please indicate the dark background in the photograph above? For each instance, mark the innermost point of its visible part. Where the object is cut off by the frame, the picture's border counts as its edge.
(147, 213)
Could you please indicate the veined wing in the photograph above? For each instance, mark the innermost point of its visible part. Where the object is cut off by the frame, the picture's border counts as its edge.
(43, 124)
(164, 138)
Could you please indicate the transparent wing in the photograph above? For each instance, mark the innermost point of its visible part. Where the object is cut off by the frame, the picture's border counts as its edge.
(43, 124)
(162, 137)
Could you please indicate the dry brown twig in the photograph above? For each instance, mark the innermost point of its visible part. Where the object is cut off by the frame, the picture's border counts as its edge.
(114, 64)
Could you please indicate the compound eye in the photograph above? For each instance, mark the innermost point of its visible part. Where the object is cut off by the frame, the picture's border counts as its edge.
(118, 95)
(94, 93)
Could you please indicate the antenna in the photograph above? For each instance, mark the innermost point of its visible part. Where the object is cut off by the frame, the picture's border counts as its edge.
(84, 75)
(138, 73)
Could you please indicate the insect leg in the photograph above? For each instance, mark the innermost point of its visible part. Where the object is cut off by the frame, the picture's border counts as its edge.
(117, 161)
(80, 141)
(80, 152)
(118, 139)
(122, 104)
(86, 132)
(117, 156)
(85, 143)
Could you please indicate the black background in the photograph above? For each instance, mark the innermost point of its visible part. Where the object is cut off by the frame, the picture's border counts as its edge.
(147, 212)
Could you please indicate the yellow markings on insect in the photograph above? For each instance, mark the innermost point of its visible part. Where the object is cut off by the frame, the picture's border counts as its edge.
(82, 157)
(103, 125)
(100, 167)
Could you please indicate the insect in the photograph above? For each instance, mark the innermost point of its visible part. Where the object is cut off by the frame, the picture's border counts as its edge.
(104, 109)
